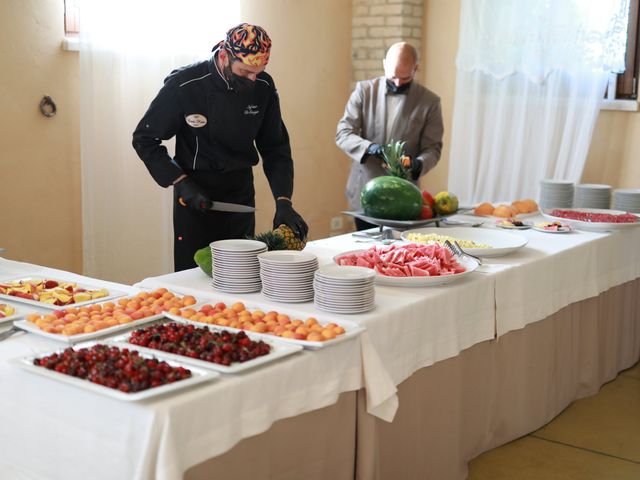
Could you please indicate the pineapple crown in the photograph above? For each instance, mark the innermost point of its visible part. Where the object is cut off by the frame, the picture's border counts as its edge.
(395, 161)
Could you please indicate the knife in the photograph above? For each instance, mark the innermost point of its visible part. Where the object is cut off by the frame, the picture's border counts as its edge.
(225, 207)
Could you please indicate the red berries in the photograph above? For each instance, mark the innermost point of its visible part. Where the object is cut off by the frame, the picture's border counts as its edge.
(200, 343)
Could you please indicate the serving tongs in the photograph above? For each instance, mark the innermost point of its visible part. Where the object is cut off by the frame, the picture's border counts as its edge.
(456, 249)
(8, 333)
(383, 236)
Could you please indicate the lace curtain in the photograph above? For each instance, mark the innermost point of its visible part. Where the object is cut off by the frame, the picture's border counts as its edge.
(127, 48)
(530, 79)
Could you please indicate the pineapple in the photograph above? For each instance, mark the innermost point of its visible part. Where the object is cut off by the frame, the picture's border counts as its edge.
(293, 242)
(395, 161)
(282, 238)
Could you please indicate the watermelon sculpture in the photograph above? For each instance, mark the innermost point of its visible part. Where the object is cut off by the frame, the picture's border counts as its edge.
(391, 198)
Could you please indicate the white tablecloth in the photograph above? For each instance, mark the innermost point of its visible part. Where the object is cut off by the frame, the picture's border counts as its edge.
(51, 430)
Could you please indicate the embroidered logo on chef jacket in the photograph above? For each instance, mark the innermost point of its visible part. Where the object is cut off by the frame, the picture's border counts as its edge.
(251, 110)
(196, 120)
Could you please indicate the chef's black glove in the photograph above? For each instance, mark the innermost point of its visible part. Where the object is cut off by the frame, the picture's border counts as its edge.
(416, 168)
(287, 215)
(191, 195)
(375, 149)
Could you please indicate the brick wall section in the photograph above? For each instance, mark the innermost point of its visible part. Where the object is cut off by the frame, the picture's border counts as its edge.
(378, 24)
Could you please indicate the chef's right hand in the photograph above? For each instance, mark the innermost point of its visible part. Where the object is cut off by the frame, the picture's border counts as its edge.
(191, 195)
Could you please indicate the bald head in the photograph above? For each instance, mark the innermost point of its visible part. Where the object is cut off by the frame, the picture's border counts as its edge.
(401, 63)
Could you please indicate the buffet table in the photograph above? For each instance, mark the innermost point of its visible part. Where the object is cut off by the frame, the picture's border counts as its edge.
(440, 375)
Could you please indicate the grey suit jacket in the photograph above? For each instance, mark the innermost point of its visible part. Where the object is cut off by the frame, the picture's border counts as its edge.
(364, 121)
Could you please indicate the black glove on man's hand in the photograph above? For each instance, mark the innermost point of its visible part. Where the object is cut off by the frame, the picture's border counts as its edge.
(416, 168)
(287, 215)
(375, 149)
(190, 194)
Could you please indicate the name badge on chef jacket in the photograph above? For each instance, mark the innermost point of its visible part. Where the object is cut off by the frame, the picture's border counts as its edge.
(196, 120)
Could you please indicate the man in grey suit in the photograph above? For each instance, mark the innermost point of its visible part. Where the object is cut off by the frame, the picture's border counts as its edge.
(393, 107)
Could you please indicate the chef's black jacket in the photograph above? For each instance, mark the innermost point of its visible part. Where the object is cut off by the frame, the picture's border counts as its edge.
(226, 142)
(217, 130)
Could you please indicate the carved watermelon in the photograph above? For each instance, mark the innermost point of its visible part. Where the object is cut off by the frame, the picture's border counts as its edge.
(391, 198)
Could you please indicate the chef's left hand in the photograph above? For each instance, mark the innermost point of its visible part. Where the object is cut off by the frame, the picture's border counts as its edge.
(287, 215)
(416, 168)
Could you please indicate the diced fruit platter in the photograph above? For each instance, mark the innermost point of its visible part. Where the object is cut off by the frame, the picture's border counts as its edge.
(206, 346)
(77, 324)
(411, 264)
(287, 326)
(122, 373)
(52, 293)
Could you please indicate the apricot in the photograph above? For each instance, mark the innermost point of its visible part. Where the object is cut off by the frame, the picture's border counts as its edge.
(315, 337)
(238, 307)
(503, 211)
(328, 334)
(484, 209)
(532, 206)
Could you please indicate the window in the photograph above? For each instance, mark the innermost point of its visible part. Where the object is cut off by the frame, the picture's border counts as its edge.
(71, 17)
(627, 85)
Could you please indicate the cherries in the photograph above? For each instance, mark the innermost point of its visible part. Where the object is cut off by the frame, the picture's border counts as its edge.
(121, 369)
(200, 343)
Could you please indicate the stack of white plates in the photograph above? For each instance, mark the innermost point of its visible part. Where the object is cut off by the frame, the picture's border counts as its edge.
(287, 276)
(556, 193)
(344, 289)
(234, 265)
(592, 195)
(627, 199)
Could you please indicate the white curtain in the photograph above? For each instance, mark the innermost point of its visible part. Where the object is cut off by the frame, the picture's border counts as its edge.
(531, 76)
(127, 48)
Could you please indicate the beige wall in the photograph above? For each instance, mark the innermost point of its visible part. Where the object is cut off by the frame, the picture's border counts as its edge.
(39, 157)
(311, 65)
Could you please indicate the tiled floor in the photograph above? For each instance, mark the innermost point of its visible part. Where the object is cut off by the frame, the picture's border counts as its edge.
(595, 438)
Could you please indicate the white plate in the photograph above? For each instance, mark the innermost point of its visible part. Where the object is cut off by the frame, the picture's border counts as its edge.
(112, 293)
(20, 312)
(287, 257)
(567, 227)
(351, 329)
(345, 273)
(344, 310)
(198, 375)
(237, 245)
(592, 226)
(468, 263)
(503, 243)
(278, 350)
(83, 337)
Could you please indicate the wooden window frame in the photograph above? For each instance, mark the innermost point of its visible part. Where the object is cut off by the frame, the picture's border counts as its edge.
(627, 84)
(71, 18)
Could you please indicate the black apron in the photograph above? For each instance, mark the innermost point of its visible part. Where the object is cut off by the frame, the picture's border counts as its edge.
(194, 230)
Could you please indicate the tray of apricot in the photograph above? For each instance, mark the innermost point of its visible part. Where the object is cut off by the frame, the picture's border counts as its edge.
(286, 326)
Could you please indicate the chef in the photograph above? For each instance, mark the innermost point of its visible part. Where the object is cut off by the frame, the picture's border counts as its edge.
(222, 111)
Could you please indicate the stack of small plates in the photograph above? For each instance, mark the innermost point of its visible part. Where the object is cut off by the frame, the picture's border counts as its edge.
(287, 276)
(591, 195)
(344, 289)
(556, 193)
(627, 199)
(235, 267)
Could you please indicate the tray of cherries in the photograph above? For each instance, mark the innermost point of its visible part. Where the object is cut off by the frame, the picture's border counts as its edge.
(122, 373)
(206, 346)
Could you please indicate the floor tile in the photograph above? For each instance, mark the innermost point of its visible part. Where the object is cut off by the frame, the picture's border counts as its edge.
(531, 458)
(608, 422)
(633, 371)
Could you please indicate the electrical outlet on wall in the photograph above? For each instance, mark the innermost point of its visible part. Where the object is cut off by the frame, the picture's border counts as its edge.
(336, 223)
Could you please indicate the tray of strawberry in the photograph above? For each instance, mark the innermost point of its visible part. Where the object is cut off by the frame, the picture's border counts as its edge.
(206, 346)
(289, 327)
(53, 293)
(122, 373)
(594, 219)
(76, 324)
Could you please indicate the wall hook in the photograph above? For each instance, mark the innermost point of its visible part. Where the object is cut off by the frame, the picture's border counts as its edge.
(48, 106)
